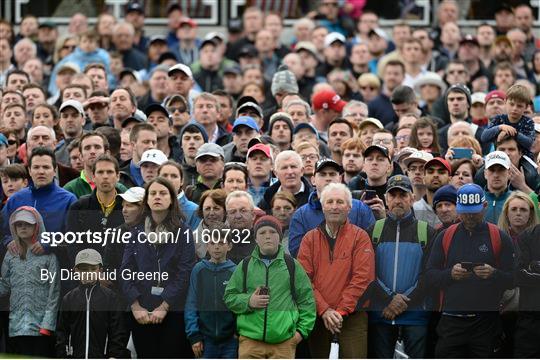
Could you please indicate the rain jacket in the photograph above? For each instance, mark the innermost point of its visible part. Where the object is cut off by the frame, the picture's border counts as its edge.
(33, 302)
(280, 320)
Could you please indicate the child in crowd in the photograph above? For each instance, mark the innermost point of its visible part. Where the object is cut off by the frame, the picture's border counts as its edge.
(210, 326)
(514, 122)
(105, 336)
(14, 177)
(33, 300)
(86, 53)
(424, 136)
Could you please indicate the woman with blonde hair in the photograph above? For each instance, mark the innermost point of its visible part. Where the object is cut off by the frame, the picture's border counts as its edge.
(469, 142)
(65, 45)
(519, 214)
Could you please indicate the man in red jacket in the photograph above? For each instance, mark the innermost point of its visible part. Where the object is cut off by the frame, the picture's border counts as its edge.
(339, 260)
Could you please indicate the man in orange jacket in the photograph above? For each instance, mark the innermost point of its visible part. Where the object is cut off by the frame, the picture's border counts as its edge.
(338, 258)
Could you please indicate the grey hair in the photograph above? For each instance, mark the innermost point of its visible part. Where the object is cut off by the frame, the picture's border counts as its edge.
(31, 131)
(239, 194)
(304, 21)
(298, 102)
(337, 186)
(124, 24)
(353, 103)
(286, 155)
(26, 40)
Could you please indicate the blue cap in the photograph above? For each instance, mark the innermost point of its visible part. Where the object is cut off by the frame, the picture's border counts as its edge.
(305, 126)
(3, 140)
(246, 121)
(470, 199)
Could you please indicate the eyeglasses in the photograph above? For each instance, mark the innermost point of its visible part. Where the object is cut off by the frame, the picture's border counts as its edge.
(312, 157)
(69, 47)
(403, 137)
(382, 142)
(12, 142)
(179, 109)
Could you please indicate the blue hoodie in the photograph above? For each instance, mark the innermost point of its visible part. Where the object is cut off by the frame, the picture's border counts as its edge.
(189, 208)
(51, 201)
(81, 59)
(206, 314)
(310, 215)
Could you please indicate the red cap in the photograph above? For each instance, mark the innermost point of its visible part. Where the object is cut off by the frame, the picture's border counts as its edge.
(188, 21)
(439, 160)
(327, 99)
(495, 94)
(260, 147)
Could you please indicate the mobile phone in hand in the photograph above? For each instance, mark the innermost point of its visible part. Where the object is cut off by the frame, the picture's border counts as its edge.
(370, 194)
(462, 153)
(264, 290)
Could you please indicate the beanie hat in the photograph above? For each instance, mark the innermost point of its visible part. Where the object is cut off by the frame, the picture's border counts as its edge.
(268, 220)
(280, 116)
(459, 88)
(445, 193)
(284, 80)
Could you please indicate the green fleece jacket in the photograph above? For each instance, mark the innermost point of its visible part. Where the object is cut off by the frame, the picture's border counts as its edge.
(282, 317)
(80, 186)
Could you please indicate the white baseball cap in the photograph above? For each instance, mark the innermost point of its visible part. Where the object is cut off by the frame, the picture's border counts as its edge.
(73, 104)
(333, 37)
(420, 156)
(478, 97)
(497, 158)
(181, 67)
(133, 195)
(537, 128)
(154, 156)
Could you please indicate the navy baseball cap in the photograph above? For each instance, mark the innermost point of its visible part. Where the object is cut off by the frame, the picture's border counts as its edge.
(470, 199)
(245, 121)
(328, 162)
(305, 126)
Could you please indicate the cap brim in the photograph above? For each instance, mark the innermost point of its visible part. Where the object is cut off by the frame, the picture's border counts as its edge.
(469, 209)
(216, 155)
(329, 164)
(499, 162)
(400, 188)
(128, 198)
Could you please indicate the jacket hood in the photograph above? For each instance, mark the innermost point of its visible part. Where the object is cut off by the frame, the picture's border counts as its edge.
(191, 124)
(39, 226)
(219, 267)
(313, 201)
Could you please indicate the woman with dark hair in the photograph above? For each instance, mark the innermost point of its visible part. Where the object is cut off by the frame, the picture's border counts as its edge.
(424, 136)
(212, 213)
(155, 275)
(463, 171)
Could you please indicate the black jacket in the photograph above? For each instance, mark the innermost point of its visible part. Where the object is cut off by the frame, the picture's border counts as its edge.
(301, 198)
(532, 178)
(194, 192)
(106, 324)
(527, 277)
(472, 295)
(86, 214)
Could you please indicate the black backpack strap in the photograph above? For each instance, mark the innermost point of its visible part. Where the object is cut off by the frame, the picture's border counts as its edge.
(291, 267)
(245, 264)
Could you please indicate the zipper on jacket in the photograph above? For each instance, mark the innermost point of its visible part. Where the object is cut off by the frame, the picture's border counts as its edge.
(266, 308)
(215, 306)
(396, 255)
(87, 340)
